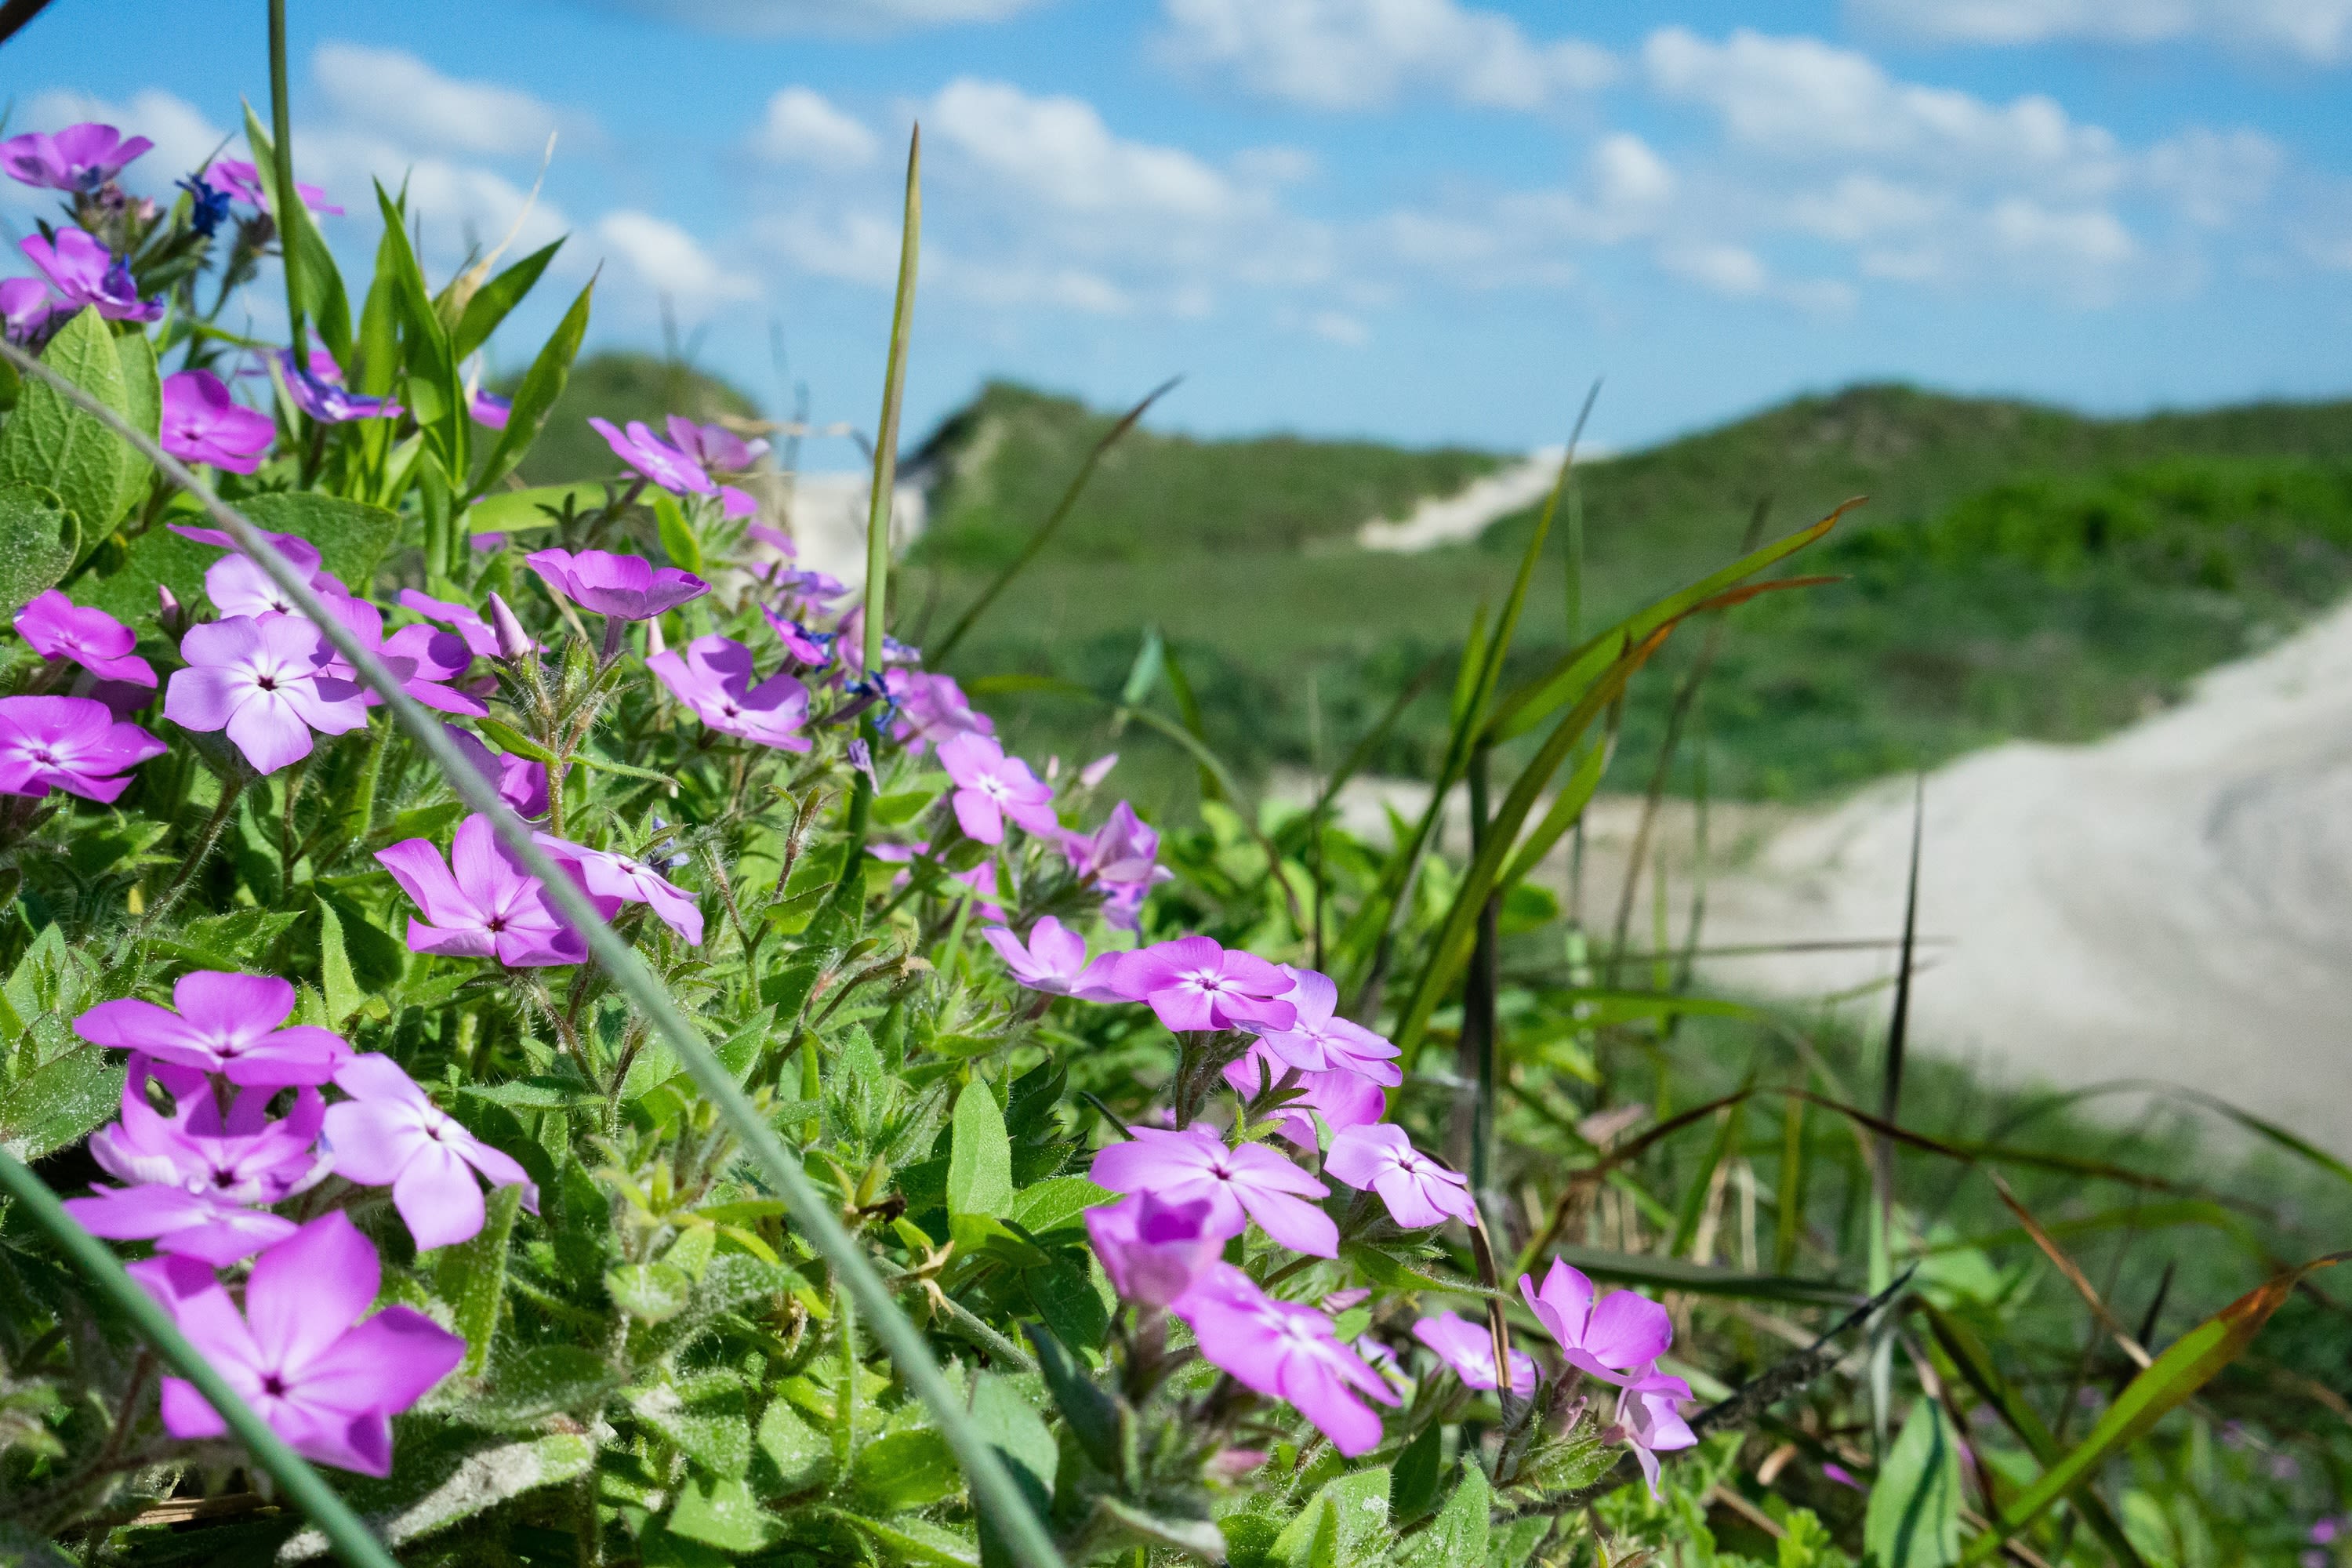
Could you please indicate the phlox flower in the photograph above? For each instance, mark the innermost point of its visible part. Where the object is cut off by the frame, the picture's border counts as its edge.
(1194, 983)
(1286, 1350)
(1650, 1422)
(86, 273)
(197, 1224)
(803, 645)
(626, 587)
(1341, 1097)
(655, 458)
(391, 1134)
(243, 181)
(1250, 1182)
(1053, 960)
(714, 678)
(319, 391)
(481, 639)
(72, 743)
(1152, 1250)
(1318, 1039)
(234, 1024)
(300, 553)
(520, 783)
(1469, 1348)
(489, 409)
(78, 158)
(1124, 852)
(991, 786)
(612, 875)
(1616, 1338)
(299, 1352)
(1419, 1191)
(268, 683)
(241, 1158)
(715, 446)
(24, 307)
(201, 424)
(481, 903)
(932, 709)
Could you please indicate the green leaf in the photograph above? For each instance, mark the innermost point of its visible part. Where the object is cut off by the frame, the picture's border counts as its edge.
(1066, 1297)
(324, 298)
(1200, 1537)
(677, 539)
(798, 1454)
(38, 541)
(907, 1469)
(472, 1276)
(511, 739)
(49, 444)
(516, 511)
(445, 1495)
(1457, 1537)
(712, 1432)
(652, 1292)
(59, 1102)
(980, 1166)
(541, 385)
(1022, 1440)
(1092, 1414)
(1413, 1488)
(143, 396)
(157, 557)
(437, 393)
(351, 535)
(915, 1540)
(1914, 1518)
(1343, 1525)
(723, 1514)
(1057, 1201)
(493, 300)
(340, 986)
(542, 1381)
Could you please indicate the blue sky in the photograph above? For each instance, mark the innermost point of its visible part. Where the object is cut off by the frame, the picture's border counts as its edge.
(1421, 220)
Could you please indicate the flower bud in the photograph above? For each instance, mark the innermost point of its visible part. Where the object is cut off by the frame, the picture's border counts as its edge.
(1154, 1251)
(169, 614)
(513, 641)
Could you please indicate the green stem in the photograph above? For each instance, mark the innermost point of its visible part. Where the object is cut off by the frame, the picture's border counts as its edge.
(886, 438)
(290, 215)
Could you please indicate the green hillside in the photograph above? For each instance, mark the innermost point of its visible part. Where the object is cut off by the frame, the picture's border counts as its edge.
(2020, 571)
(620, 386)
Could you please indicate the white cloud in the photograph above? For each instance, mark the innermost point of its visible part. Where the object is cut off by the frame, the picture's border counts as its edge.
(1337, 326)
(1058, 151)
(2082, 237)
(671, 262)
(2317, 31)
(852, 247)
(461, 205)
(802, 127)
(2213, 177)
(1361, 54)
(399, 94)
(1519, 238)
(1862, 206)
(183, 138)
(773, 19)
(1720, 268)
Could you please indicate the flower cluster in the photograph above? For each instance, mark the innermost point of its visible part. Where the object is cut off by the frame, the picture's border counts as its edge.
(206, 1174)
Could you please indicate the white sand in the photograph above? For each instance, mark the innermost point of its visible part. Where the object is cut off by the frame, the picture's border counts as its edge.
(1464, 516)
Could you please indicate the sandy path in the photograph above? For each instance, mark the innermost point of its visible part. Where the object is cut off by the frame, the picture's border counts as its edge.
(1464, 515)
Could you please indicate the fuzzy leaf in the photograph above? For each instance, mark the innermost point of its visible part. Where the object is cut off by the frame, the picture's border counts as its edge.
(1914, 1518)
(50, 444)
(480, 1480)
(38, 538)
(723, 1513)
(980, 1166)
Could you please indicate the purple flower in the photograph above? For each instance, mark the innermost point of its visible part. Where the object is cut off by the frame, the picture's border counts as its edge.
(481, 903)
(87, 273)
(1053, 960)
(1286, 1350)
(24, 307)
(481, 640)
(489, 409)
(627, 586)
(1318, 1040)
(1250, 1182)
(1125, 848)
(78, 158)
(243, 1158)
(1469, 1348)
(243, 181)
(657, 460)
(184, 1224)
(1094, 772)
(714, 447)
(1194, 983)
(1649, 1421)
(513, 641)
(201, 425)
(1418, 1191)
(320, 393)
(714, 678)
(293, 546)
(227, 1023)
(72, 743)
(1153, 1250)
(391, 1134)
(2323, 1531)
(991, 786)
(428, 660)
(520, 783)
(1616, 1338)
(299, 1354)
(1341, 1097)
(801, 644)
(617, 877)
(268, 683)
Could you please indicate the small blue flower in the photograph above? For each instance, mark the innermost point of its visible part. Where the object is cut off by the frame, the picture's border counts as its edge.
(211, 205)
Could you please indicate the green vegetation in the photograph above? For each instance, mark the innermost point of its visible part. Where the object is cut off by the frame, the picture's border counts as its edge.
(620, 386)
(2019, 571)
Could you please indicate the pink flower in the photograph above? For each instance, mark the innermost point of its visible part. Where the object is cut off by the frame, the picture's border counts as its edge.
(1054, 961)
(227, 1023)
(626, 587)
(1153, 1250)
(1616, 1338)
(1094, 772)
(481, 638)
(1469, 1348)
(1649, 1421)
(520, 783)
(482, 903)
(617, 877)
(266, 682)
(391, 1134)
(802, 645)
(1318, 1040)
(185, 1224)
(1250, 1182)
(56, 627)
(991, 786)
(201, 424)
(72, 743)
(714, 447)
(489, 409)
(1343, 1098)
(319, 391)
(932, 709)
(1125, 848)
(649, 454)
(86, 273)
(714, 679)
(243, 1158)
(1194, 983)
(1418, 1191)
(242, 180)
(299, 1354)
(24, 307)
(1286, 1350)
(78, 158)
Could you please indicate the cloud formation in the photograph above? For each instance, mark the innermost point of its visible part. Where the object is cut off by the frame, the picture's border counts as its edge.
(394, 92)
(1365, 54)
(2318, 32)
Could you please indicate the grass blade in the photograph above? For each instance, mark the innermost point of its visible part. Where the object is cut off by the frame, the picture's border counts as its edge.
(352, 1541)
(882, 502)
(1047, 529)
(816, 1220)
